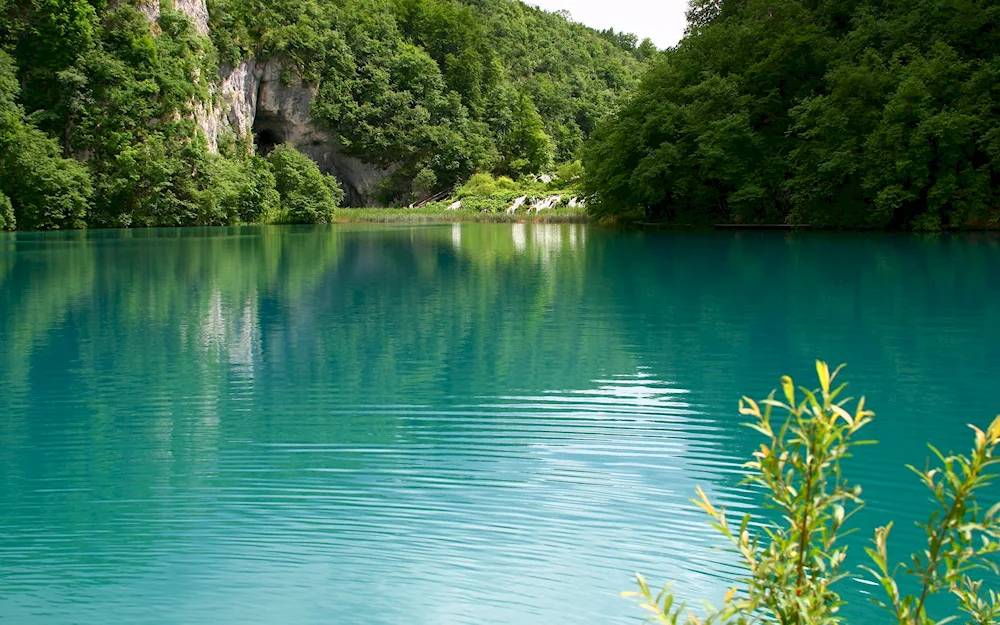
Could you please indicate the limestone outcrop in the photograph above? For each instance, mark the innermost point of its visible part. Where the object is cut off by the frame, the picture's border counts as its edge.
(266, 99)
(263, 97)
(196, 11)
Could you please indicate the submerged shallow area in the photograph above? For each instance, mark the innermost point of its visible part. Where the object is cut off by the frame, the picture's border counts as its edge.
(457, 423)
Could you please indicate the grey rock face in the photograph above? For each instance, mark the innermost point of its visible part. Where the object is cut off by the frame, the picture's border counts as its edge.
(196, 11)
(150, 9)
(261, 97)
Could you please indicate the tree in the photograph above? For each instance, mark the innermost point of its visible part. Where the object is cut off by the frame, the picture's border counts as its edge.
(430, 88)
(239, 191)
(645, 50)
(7, 220)
(41, 189)
(424, 184)
(306, 195)
(839, 114)
(526, 148)
(701, 13)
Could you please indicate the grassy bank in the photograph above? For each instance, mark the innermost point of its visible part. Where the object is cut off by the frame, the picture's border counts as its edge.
(548, 198)
(437, 214)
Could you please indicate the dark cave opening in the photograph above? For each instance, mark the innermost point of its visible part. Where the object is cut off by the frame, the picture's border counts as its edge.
(266, 141)
(270, 130)
(268, 134)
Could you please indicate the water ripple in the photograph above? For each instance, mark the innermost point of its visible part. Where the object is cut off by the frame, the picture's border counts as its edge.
(455, 425)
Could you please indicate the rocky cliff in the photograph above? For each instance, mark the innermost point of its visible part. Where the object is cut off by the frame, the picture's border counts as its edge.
(152, 105)
(263, 99)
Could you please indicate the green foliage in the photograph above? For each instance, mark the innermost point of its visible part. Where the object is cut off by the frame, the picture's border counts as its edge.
(424, 183)
(845, 115)
(570, 173)
(506, 184)
(526, 148)
(794, 561)
(485, 194)
(239, 192)
(478, 184)
(156, 183)
(452, 34)
(444, 86)
(40, 189)
(47, 192)
(7, 220)
(306, 195)
(961, 537)
(437, 212)
(645, 50)
(57, 35)
(434, 89)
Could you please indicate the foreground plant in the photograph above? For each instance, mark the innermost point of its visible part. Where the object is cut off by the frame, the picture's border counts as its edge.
(794, 561)
(960, 538)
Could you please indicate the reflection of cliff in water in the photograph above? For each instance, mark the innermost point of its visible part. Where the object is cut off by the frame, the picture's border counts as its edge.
(391, 311)
(487, 403)
(185, 325)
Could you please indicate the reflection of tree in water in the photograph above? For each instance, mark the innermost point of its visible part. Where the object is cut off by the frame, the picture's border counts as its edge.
(406, 310)
(393, 312)
(914, 317)
(764, 304)
(169, 348)
(179, 355)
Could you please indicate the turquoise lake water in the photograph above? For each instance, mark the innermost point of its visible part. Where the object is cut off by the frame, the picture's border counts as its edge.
(447, 424)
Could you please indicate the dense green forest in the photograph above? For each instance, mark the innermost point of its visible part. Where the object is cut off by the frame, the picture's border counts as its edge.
(139, 113)
(868, 114)
(842, 114)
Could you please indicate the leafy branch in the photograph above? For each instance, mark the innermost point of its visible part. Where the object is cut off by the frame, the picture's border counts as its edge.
(793, 562)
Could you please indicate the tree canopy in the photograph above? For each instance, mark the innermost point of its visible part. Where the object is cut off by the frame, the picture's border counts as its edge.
(841, 114)
(98, 102)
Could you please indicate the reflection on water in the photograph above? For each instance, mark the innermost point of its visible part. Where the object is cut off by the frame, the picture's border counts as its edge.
(449, 424)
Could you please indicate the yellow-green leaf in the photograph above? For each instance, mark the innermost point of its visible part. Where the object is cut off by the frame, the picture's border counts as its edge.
(843, 414)
(994, 430)
(823, 371)
(753, 408)
(703, 502)
(789, 388)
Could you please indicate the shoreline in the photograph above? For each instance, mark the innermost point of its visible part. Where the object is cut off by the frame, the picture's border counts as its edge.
(420, 216)
(434, 215)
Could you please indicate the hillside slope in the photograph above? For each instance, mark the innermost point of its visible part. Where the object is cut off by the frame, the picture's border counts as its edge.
(838, 114)
(158, 113)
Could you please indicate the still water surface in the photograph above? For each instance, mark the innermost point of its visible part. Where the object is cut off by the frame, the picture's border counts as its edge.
(442, 424)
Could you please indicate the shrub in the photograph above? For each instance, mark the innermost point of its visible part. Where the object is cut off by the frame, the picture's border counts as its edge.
(794, 563)
(506, 184)
(7, 221)
(526, 148)
(153, 183)
(424, 183)
(47, 191)
(39, 186)
(481, 184)
(570, 173)
(306, 195)
(239, 192)
(258, 197)
(484, 204)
